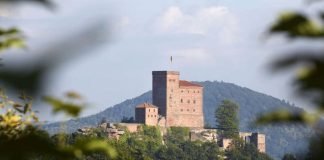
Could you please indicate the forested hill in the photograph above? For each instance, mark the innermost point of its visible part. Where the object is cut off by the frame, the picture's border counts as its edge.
(279, 139)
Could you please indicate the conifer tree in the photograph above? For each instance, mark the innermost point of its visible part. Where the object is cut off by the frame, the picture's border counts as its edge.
(227, 119)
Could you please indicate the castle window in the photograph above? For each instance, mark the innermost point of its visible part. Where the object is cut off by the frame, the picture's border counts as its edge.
(181, 110)
(188, 101)
(181, 100)
(197, 91)
(194, 91)
(194, 101)
(149, 110)
(148, 115)
(154, 115)
(188, 110)
(188, 91)
(194, 110)
(181, 91)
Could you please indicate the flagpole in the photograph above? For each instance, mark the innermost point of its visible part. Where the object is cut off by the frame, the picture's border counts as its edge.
(171, 63)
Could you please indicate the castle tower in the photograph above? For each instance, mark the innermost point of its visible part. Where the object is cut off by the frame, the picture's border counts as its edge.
(165, 87)
(180, 102)
(147, 114)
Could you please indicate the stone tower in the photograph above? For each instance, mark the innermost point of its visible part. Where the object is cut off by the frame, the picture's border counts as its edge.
(146, 113)
(180, 102)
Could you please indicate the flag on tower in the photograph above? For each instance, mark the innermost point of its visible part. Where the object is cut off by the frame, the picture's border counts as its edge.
(171, 59)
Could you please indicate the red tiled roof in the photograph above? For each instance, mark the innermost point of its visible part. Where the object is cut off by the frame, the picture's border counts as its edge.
(188, 84)
(146, 105)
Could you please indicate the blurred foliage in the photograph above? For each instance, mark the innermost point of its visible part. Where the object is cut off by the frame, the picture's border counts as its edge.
(20, 135)
(309, 62)
(11, 38)
(19, 131)
(15, 116)
(288, 117)
(296, 25)
(72, 106)
(32, 77)
(47, 3)
(309, 79)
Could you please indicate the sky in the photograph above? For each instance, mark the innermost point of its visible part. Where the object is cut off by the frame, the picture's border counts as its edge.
(223, 40)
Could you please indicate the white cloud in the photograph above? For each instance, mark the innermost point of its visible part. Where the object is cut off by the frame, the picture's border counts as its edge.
(215, 21)
(124, 21)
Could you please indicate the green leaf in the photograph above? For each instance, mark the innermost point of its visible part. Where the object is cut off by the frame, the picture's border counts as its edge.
(285, 116)
(297, 25)
(8, 32)
(73, 95)
(66, 107)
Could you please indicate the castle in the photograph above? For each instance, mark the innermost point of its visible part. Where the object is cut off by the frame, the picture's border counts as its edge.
(175, 102)
(179, 103)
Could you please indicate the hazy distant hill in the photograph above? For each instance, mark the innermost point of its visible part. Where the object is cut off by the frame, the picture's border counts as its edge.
(279, 139)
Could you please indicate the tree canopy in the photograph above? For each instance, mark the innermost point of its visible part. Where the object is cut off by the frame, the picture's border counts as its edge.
(227, 119)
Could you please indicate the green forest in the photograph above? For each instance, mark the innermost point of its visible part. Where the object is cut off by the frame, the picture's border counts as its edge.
(149, 144)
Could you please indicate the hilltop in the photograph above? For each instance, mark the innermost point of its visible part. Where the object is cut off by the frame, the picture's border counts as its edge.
(279, 139)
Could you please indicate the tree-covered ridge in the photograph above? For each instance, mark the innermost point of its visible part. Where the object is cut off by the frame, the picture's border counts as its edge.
(279, 139)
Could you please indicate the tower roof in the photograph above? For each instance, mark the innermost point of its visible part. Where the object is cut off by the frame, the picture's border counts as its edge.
(146, 105)
(183, 83)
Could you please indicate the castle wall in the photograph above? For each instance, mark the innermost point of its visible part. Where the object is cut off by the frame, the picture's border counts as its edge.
(190, 107)
(131, 127)
(151, 116)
